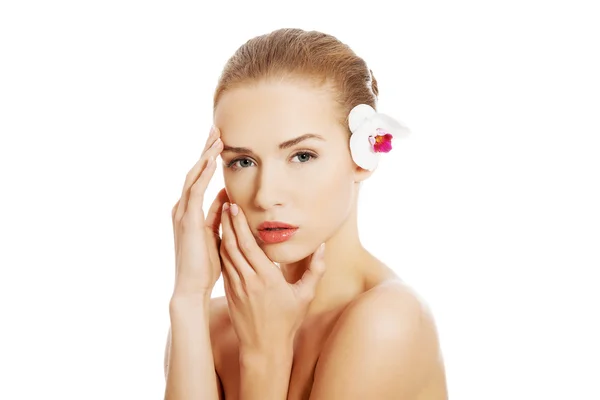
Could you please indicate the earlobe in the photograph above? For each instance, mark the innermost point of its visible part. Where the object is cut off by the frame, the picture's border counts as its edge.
(361, 174)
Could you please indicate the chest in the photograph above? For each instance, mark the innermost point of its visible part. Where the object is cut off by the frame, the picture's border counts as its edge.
(308, 345)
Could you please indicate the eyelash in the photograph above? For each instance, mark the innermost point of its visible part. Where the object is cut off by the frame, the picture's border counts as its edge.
(311, 154)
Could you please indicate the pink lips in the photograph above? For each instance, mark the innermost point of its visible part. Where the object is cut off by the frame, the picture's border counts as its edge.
(276, 232)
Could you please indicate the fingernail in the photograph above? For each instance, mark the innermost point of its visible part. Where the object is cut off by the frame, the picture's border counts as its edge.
(212, 130)
(234, 209)
(216, 143)
(225, 206)
(322, 249)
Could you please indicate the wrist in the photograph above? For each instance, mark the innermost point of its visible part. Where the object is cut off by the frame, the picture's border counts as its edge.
(189, 302)
(265, 373)
(271, 356)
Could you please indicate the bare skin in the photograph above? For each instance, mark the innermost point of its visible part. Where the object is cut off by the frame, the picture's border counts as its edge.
(365, 334)
(319, 332)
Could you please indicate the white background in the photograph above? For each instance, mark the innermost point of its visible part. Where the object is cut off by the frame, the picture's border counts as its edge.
(490, 209)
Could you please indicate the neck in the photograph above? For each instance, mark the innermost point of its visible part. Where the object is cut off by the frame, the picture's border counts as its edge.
(346, 262)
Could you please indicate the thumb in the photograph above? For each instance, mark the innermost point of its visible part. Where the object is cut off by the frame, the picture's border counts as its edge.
(307, 285)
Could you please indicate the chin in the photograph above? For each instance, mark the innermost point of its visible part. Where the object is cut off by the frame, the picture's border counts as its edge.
(287, 252)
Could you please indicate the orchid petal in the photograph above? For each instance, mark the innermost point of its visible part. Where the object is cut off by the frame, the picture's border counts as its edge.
(358, 115)
(361, 148)
(395, 127)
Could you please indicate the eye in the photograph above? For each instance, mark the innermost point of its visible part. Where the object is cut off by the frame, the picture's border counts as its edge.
(304, 156)
(240, 163)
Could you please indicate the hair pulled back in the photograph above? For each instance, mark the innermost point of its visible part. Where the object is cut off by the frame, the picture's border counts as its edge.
(296, 53)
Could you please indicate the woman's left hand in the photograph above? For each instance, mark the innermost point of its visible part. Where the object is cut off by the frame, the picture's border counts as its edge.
(265, 310)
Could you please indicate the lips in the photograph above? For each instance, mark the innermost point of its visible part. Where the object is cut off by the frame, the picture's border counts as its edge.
(275, 231)
(275, 225)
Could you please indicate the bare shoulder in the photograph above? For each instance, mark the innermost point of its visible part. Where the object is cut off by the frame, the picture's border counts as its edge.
(384, 345)
(392, 309)
(392, 301)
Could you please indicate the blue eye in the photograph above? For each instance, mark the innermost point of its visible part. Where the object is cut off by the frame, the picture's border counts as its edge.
(243, 163)
(304, 156)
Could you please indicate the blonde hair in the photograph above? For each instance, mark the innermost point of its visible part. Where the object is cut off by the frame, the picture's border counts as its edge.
(296, 53)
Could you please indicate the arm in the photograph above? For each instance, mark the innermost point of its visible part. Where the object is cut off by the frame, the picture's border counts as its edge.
(266, 375)
(383, 347)
(189, 364)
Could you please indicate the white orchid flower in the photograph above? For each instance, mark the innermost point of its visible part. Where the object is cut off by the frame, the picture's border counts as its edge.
(372, 134)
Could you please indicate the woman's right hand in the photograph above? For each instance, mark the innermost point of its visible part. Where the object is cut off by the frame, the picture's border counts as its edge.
(197, 240)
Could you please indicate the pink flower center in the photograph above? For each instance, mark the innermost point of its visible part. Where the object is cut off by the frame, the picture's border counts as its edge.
(382, 143)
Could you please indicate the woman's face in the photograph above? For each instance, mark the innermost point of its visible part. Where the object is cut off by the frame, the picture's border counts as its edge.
(286, 159)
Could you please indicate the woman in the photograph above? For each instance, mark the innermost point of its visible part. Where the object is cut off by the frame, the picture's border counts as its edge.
(296, 128)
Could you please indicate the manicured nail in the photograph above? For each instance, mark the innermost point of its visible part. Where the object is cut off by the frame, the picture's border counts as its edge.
(234, 209)
(225, 206)
(216, 143)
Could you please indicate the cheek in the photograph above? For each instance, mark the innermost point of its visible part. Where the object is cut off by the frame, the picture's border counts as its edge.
(331, 196)
(237, 189)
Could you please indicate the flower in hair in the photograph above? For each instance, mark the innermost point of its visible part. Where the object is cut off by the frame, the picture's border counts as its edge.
(372, 134)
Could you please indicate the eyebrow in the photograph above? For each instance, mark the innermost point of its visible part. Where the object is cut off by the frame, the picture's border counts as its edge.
(282, 146)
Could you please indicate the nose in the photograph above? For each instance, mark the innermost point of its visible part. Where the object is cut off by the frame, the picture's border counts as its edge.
(270, 187)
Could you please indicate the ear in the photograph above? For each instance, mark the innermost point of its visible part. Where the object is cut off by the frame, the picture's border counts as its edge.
(361, 174)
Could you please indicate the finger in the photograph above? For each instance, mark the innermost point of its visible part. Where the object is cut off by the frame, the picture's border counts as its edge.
(247, 244)
(227, 284)
(213, 217)
(196, 197)
(212, 153)
(173, 212)
(195, 170)
(233, 279)
(213, 150)
(229, 241)
(213, 223)
(212, 136)
(174, 209)
(307, 285)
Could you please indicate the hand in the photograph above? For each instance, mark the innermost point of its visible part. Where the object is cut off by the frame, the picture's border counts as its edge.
(266, 310)
(197, 239)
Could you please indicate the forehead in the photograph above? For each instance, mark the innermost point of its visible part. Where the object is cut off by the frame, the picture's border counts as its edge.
(278, 109)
